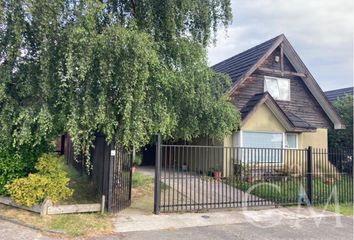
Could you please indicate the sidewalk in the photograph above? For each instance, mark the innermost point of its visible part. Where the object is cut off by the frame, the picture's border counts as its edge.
(137, 222)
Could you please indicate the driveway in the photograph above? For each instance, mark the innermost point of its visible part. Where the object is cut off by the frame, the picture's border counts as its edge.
(187, 188)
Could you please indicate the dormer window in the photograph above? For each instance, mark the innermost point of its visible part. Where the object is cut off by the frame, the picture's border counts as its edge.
(278, 88)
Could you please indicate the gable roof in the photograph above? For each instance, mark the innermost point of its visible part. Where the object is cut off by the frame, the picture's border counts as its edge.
(237, 66)
(241, 66)
(336, 94)
(290, 121)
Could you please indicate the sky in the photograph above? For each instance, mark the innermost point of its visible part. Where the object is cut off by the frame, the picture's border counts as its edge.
(321, 31)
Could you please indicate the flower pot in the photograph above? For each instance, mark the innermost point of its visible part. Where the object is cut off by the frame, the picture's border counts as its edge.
(217, 175)
(330, 181)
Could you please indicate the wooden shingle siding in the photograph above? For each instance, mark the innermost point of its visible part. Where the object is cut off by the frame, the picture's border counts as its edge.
(272, 64)
(302, 103)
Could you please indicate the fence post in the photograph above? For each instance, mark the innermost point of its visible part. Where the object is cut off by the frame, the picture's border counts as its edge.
(132, 159)
(112, 156)
(309, 175)
(157, 188)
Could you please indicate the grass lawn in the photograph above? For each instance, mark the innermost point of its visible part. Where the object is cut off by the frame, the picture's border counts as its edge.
(142, 194)
(345, 209)
(84, 190)
(73, 225)
(290, 190)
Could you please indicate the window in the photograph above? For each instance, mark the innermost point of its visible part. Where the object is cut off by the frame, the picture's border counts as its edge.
(262, 140)
(290, 140)
(279, 88)
(261, 147)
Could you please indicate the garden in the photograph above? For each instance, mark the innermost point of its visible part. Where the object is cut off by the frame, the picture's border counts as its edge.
(293, 190)
(52, 178)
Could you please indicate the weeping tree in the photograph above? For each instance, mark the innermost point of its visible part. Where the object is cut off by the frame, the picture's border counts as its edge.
(126, 68)
(343, 138)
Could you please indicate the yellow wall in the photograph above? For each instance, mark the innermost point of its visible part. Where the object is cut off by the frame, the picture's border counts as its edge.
(318, 139)
(263, 120)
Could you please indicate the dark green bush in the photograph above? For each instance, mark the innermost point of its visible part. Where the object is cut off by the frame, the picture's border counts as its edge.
(50, 181)
(16, 163)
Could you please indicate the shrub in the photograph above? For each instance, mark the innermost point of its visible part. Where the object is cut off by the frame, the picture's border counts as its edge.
(19, 162)
(49, 165)
(10, 168)
(49, 182)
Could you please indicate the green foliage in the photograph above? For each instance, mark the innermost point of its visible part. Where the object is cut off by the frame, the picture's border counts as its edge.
(15, 164)
(127, 69)
(137, 159)
(141, 180)
(49, 182)
(343, 139)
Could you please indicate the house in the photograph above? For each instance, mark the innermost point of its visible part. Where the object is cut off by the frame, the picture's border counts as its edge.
(281, 104)
(336, 94)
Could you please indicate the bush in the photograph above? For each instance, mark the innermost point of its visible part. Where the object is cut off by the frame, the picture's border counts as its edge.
(49, 182)
(16, 163)
(10, 168)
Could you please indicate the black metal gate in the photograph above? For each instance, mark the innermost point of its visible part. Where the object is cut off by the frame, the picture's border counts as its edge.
(111, 171)
(120, 179)
(193, 177)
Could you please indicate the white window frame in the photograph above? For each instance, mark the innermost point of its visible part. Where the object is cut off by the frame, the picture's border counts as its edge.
(296, 140)
(281, 79)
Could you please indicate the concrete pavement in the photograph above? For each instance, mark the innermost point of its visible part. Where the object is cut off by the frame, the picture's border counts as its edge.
(137, 222)
(266, 224)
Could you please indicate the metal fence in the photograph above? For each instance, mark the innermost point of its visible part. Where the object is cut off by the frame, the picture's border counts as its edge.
(191, 178)
(111, 171)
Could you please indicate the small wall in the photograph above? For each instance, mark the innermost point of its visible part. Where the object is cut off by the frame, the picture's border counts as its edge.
(47, 207)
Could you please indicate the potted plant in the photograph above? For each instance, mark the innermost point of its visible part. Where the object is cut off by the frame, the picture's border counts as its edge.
(217, 172)
(136, 162)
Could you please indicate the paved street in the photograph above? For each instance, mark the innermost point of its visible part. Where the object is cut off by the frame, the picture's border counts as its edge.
(288, 229)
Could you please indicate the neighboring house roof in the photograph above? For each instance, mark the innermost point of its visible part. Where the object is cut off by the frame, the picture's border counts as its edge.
(241, 66)
(290, 121)
(336, 94)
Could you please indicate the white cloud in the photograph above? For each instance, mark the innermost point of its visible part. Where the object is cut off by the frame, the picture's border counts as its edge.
(321, 31)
